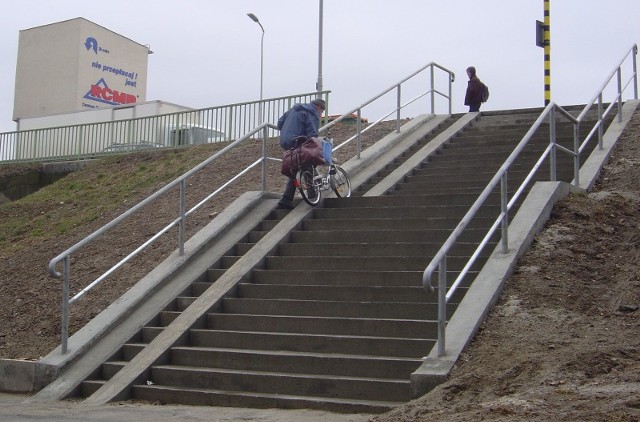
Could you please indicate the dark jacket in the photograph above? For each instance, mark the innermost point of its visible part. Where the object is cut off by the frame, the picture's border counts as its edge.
(474, 91)
(300, 120)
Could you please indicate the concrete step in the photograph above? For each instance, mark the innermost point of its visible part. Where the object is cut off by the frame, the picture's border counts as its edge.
(317, 343)
(471, 235)
(335, 293)
(362, 223)
(331, 325)
(288, 362)
(345, 387)
(338, 309)
(372, 263)
(400, 201)
(210, 397)
(422, 249)
(340, 277)
(454, 211)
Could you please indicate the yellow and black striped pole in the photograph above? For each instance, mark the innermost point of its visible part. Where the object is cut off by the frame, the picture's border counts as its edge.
(547, 53)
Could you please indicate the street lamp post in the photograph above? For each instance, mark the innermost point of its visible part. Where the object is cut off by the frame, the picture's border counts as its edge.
(256, 20)
(319, 83)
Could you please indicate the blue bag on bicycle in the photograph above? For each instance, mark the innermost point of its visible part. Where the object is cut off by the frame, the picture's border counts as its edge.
(327, 148)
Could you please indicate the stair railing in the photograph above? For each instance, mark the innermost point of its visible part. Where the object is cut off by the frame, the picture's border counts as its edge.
(432, 92)
(180, 221)
(439, 261)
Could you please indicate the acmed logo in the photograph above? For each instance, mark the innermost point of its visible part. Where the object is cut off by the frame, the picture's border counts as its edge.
(102, 93)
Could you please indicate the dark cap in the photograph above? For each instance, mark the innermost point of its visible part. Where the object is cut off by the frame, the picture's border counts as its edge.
(320, 103)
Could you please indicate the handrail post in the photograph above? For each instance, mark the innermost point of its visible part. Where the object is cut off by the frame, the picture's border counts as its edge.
(265, 134)
(398, 107)
(451, 79)
(433, 94)
(359, 129)
(65, 304)
(600, 120)
(576, 153)
(635, 72)
(619, 74)
(504, 204)
(182, 217)
(552, 140)
(442, 305)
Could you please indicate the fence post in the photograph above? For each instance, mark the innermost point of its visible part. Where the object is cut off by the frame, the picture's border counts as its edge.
(442, 305)
(182, 217)
(600, 128)
(635, 73)
(65, 304)
(619, 74)
(576, 152)
(433, 94)
(359, 129)
(398, 106)
(504, 202)
(265, 134)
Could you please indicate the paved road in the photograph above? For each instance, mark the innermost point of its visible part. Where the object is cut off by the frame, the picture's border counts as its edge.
(13, 408)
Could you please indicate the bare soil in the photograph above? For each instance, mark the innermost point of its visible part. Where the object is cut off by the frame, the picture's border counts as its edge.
(562, 343)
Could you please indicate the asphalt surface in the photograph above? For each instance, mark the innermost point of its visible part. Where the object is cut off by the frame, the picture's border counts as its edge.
(14, 408)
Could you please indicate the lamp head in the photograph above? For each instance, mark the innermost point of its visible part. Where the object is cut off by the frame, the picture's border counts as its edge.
(253, 17)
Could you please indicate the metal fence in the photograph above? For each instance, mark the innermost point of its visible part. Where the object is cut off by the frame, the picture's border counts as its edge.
(207, 125)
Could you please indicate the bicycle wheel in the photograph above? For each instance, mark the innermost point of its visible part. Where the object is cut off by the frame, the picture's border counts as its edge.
(304, 180)
(340, 182)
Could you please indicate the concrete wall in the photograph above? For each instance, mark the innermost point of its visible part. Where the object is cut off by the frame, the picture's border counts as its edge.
(27, 182)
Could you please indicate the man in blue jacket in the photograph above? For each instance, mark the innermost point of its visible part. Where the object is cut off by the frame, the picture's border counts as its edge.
(300, 120)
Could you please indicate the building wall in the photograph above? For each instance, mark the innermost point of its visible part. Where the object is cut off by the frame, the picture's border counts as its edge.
(77, 65)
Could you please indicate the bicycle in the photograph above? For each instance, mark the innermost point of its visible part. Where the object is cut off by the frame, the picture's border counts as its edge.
(311, 182)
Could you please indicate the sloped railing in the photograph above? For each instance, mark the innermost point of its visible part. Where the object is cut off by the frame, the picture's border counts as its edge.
(439, 261)
(64, 258)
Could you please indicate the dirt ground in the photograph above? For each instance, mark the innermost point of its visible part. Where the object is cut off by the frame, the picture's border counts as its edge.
(562, 343)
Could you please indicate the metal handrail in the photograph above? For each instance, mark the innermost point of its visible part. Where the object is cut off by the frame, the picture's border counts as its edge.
(399, 105)
(439, 261)
(266, 129)
(65, 256)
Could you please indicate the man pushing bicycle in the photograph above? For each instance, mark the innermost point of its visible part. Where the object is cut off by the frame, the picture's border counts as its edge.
(300, 120)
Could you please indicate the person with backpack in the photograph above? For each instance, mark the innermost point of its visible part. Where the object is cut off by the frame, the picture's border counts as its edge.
(477, 92)
(300, 120)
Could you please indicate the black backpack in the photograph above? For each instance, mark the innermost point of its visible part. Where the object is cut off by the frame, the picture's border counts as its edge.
(484, 94)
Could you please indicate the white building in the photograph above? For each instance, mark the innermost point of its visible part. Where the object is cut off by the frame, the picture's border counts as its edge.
(76, 65)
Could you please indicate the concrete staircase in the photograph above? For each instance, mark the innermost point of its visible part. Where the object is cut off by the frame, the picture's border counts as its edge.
(335, 317)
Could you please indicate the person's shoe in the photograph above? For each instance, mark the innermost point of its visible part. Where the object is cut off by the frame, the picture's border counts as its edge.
(283, 204)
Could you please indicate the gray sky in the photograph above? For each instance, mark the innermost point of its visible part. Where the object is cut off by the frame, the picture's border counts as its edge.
(207, 52)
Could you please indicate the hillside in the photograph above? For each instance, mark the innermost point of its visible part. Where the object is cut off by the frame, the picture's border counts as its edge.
(562, 343)
(37, 228)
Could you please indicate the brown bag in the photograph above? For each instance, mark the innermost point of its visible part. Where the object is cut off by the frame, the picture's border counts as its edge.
(307, 154)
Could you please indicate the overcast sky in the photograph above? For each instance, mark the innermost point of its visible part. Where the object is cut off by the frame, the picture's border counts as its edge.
(207, 52)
